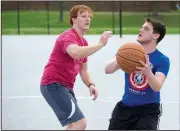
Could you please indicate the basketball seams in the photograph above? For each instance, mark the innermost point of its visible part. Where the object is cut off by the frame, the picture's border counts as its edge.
(134, 56)
(124, 66)
(121, 64)
(128, 59)
(132, 49)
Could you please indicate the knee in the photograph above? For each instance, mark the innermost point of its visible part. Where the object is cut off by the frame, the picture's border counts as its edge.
(79, 125)
(82, 125)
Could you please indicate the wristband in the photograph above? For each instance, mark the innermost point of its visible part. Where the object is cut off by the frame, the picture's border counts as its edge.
(91, 84)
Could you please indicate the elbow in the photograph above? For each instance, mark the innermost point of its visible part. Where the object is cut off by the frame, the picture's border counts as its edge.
(107, 71)
(157, 89)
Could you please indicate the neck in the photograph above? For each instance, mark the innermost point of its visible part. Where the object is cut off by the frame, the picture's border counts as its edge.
(79, 31)
(149, 47)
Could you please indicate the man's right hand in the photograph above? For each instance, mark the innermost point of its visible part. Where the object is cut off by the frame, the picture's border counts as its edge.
(104, 37)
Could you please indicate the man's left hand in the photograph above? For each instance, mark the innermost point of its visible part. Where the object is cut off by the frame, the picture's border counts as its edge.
(93, 92)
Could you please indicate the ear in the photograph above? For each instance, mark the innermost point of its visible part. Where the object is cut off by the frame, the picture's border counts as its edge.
(73, 20)
(156, 36)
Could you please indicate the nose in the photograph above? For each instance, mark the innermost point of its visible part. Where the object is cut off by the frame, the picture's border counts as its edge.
(88, 19)
(141, 30)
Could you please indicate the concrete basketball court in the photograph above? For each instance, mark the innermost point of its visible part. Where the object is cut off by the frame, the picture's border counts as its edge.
(24, 108)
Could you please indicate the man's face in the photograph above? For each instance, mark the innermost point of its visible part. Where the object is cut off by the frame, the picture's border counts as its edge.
(146, 33)
(83, 20)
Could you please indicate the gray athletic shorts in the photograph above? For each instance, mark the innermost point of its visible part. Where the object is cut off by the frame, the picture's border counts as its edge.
(63, 102)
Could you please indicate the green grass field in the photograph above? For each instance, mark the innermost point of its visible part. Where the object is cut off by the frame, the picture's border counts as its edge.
(35, 22)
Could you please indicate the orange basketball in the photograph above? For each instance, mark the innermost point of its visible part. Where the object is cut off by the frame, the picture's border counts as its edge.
(128, 56)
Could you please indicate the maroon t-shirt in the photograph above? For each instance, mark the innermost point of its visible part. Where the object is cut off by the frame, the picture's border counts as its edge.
(61, 67)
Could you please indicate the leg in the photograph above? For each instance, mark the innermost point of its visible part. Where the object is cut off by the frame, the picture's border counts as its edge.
(149, 122)
(78, 125)
(150, 118)
(64, 105)
(121, 118)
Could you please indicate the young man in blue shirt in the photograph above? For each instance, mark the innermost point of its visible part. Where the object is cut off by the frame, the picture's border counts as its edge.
(140, 106)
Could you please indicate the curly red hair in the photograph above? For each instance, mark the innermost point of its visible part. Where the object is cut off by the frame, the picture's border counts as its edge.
(79, 8)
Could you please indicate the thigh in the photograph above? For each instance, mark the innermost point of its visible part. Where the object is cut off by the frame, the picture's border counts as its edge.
(121, 117)
(63, 103)
(150, 118)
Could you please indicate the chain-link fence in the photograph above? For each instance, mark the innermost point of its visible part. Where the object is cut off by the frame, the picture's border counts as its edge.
(51, 17)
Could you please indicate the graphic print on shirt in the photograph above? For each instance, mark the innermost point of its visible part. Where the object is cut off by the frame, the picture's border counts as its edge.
(138, 82)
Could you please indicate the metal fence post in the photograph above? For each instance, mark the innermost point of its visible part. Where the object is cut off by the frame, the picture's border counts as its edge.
(18, 18)
(113, 16)
(47, 8)
(61, 11)
(120, 19)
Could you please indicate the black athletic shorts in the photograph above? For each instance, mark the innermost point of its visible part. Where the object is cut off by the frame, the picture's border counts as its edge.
(63, 102)
(144, 117)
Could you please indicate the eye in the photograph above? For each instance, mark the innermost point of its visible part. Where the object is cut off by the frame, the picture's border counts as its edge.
(146, 29)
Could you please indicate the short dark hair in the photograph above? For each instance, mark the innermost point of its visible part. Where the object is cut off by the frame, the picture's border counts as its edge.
(158, 27)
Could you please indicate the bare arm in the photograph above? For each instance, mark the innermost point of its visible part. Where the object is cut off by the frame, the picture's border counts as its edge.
(111, 66)
(77, 52)
(84, 74)
(87, 81)
(155, 81)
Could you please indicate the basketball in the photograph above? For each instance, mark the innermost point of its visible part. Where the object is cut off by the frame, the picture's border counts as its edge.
(128, 56)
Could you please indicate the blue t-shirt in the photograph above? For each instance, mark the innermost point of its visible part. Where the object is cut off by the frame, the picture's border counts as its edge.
(137, 89)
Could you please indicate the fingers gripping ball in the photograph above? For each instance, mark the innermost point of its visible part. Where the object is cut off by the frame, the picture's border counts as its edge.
(128, 56)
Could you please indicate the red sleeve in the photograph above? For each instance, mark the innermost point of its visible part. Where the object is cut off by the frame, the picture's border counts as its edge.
(67, 40)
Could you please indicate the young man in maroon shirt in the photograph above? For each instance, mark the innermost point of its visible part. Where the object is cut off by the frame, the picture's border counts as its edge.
(68, 58)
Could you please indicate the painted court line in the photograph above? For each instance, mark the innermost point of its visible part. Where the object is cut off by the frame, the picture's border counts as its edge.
(102, 99)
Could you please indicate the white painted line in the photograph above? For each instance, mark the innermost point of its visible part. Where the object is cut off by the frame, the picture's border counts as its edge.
(102, 99)
(21, 97)
(97, 117)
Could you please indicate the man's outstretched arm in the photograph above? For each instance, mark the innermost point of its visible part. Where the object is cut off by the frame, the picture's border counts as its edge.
(112, 66)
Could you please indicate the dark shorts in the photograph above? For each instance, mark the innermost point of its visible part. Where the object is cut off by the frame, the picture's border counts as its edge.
(145, 117)
(63, 102)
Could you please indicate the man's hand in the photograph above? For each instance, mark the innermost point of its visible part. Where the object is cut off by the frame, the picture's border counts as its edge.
(104, 37)
(145, 66)
(93, 92)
